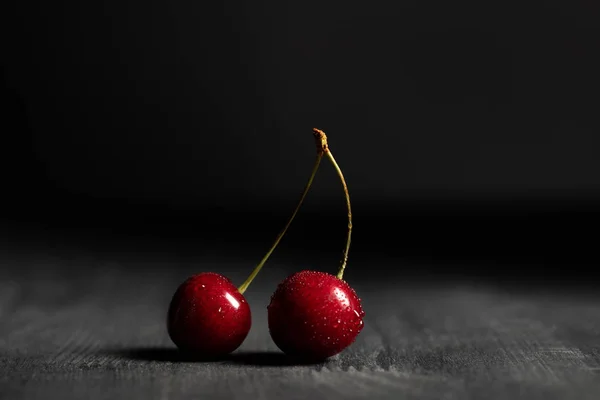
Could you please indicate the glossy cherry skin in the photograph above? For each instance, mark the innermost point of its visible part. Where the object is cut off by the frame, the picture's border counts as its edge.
(208, 316)
(314, 315)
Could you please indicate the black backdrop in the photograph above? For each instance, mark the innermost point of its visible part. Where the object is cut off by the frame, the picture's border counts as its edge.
(466, 130)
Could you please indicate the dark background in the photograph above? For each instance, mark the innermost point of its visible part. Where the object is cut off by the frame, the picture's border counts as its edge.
(141, 143)
(467, 131)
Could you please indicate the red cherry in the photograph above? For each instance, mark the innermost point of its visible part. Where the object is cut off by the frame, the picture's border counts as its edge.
(314, 315)
(208, 316)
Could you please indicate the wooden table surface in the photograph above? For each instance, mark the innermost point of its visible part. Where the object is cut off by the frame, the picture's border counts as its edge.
(82, 326)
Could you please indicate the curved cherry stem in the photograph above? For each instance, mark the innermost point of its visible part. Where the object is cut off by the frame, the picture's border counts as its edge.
(262, 262)
(321, 139)
(340, 273)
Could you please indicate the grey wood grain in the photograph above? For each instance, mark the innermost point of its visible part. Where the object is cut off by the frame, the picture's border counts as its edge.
(86, 328)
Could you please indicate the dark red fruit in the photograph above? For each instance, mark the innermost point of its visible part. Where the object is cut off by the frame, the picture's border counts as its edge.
(208, 316)
(314, 315)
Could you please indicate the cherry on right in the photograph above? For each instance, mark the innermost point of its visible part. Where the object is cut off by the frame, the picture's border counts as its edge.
(315, 315)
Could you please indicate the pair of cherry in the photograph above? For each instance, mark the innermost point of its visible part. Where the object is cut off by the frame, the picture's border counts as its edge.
(312, 315)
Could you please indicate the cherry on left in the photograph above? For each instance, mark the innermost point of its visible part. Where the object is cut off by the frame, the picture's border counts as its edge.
(208, 316)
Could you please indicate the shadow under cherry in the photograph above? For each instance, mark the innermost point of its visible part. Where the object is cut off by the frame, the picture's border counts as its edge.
(250, 358)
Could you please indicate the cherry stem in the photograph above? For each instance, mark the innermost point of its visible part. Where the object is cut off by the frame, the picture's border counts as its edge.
(262, 262)
(323, 148)
(340, 273)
